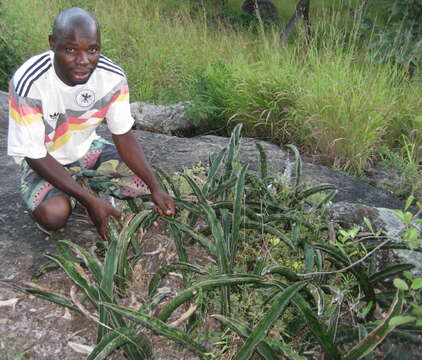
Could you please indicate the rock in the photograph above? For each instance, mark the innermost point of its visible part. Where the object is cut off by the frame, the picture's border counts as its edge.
(4, 105)
(173, 154)
(170, 120)
(385, 178)
(22, 247)
(350, 215)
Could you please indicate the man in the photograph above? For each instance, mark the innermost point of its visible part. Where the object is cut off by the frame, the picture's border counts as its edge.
(56, 100)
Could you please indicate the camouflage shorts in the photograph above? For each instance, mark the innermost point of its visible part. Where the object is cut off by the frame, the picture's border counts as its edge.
(101, 168)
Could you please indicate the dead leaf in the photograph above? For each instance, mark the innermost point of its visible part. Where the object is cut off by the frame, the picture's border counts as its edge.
(10, 302)
(67, 315)
(80, 348)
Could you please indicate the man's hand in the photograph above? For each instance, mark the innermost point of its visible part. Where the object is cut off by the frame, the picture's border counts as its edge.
(164, 202)
(99, 211)
(133, 156)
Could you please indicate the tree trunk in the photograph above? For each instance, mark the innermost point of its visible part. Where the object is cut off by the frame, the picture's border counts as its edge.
(301, 12)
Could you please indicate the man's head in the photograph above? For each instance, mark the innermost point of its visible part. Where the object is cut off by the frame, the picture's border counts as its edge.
(76, 44)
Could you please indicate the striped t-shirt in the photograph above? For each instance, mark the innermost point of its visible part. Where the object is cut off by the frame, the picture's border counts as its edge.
(48, 116)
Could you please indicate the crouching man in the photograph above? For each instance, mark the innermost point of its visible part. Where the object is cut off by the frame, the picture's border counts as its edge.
(56, 101)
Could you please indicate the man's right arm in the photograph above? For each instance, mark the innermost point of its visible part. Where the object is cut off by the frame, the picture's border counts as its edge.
(53, 172)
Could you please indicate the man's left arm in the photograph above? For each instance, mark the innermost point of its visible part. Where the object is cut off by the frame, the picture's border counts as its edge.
(133, 156)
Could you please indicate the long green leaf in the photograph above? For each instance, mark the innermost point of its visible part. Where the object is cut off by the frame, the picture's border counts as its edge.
(161, 180)
(314, 190)
(232, 151)
(166, 269)
(220, 281)
(275, 207)
(281, 270)
(106, 285)
(71, 271)
(317, 328)
(309, 257)
(326, 199)
(280, 302)
(188, 205)
(167, 177)
(64, 248)
(118, 337)
(216, 228)
(225, 244)
(335, 317)
(249, 224)
(282, 217)
(263, 161)
(340, 260)
(45, 268)
(178, 240)
(298, 164)
(50, 296)
(230, 206)
(122, 271)
(243, 330)
(88, 260)
(213, 172)
(221, 240)
(377, 335)
(161, 328)
(391, 246)
(196, 235)
(237, 213)
(389, 272)
(116, 321)
(285, 349)
(221, 188)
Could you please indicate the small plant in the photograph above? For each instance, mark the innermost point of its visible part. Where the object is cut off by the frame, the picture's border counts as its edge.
(406, 165)
(412, 235)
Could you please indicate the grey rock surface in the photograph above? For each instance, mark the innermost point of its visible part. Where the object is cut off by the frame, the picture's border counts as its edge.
(174, 153)
(160, 118)
(350, 215)
(21, 245)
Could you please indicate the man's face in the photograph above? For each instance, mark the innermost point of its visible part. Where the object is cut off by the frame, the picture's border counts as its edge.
(76, 54)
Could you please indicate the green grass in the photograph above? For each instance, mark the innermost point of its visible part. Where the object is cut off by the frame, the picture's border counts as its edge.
(328, 97)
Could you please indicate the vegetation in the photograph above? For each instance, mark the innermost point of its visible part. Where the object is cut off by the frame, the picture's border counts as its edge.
(282, 278)
(344, 96)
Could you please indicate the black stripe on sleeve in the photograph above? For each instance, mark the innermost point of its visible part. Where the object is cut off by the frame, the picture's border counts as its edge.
(105, 61)
(35, 78)
(111, 70)
(23, 77)
(34, 73)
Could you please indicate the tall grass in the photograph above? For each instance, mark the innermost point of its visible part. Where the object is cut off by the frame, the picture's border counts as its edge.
(327, 96)
(158, 44)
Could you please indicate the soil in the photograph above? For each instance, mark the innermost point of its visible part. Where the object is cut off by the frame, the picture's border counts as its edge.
(33, 328)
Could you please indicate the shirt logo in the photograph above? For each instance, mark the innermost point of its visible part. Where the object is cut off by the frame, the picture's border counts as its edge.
(54, 116)
(85, 98)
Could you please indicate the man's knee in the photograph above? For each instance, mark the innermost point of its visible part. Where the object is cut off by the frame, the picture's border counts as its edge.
(53, 213)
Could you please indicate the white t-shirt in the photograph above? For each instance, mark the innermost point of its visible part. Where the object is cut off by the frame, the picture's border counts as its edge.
(48, 116)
